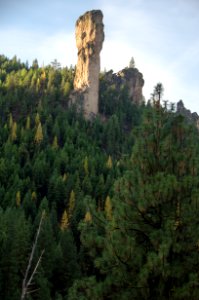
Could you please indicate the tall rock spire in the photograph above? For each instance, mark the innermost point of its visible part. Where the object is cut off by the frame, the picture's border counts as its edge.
(89, 40)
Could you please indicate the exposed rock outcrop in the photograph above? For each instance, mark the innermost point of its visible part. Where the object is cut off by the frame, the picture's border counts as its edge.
(89, 40)
(190, 117)
(132, 79)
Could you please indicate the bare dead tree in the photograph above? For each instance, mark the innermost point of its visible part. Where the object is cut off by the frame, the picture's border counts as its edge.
(28, 278)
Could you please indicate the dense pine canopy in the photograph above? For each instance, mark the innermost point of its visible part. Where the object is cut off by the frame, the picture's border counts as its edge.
(119, 194)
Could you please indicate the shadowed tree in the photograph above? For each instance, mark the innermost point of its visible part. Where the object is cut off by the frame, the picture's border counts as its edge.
(158, 91)
(148, 248)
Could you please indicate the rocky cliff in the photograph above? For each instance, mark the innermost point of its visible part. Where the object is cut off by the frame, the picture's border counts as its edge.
(132, 79)
(89, 40)
(189, 116)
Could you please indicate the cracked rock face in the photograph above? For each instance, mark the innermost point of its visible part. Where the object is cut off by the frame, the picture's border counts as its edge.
(89, 40)
(132, 79)
(135, 82)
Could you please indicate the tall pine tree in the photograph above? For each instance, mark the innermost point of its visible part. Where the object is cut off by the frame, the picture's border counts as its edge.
(148, 249)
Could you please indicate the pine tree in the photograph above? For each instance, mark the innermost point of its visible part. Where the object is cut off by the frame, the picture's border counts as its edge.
(66, 88)
(158, 91)
(148, 248)
(70, 268)
(14, 249)
(28, 123)
(64, 178)
(14, 131)
(86, 185)
(109, 163)
(64, 223)
(86, 165)
(37, 120)
(34, 196)
(18, 198)
(132, 63)
(10, 122)
(39, 134)
(108, 208)
(88, 217)
(55, 143)
(46, 240)
(71, 204)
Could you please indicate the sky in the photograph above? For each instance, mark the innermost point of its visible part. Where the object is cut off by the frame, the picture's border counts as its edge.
(161, 35)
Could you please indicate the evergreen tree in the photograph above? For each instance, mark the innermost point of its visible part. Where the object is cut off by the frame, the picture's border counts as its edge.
(122, 251)
(71, 204)
(55, 143)
(86, 165)
(28, 123)
(108, 208)
(109, 163)
(14, 131)
(39, 134)
(148, 248)
(14, 247)
(18, 198)
(64, 221)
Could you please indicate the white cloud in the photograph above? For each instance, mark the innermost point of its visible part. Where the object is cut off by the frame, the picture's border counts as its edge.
(30, 45)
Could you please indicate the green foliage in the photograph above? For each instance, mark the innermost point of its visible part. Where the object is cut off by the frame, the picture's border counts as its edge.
(120, 198)
(147, 247)
(53, 159)
(14, 247)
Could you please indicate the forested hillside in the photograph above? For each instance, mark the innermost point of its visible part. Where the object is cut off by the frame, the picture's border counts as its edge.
(118, 195)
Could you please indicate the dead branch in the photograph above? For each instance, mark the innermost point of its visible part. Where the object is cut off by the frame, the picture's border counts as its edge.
(27, 281)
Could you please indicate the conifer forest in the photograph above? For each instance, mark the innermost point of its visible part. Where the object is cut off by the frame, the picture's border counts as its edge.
(105, 208)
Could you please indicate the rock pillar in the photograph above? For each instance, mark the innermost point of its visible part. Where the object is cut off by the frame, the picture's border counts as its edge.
(89, 40)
